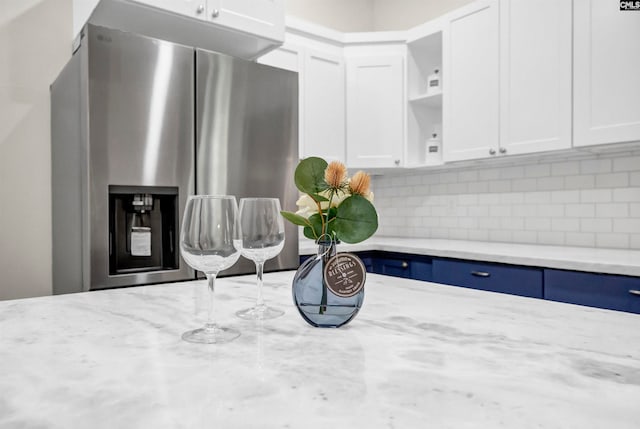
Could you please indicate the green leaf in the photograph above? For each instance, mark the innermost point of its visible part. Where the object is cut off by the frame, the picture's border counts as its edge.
(316, 224)
(308, 232)
(294, 218)
(309, 175)
(356, 220)
(318, 197)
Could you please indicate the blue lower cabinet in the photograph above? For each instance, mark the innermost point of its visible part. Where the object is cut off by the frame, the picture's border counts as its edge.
(417, 267)
(516, 280)
(608, 291)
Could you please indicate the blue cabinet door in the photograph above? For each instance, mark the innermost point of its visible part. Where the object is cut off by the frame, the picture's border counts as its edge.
(608, 291)
(523, 281)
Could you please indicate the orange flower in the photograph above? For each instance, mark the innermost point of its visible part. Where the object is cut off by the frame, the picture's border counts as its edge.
(336, 175)
(360, 183)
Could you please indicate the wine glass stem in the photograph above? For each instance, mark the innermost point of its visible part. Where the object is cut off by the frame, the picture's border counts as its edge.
(211, 323)
(259, 271)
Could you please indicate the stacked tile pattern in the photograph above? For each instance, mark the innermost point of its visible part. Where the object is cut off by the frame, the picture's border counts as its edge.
(582, 199)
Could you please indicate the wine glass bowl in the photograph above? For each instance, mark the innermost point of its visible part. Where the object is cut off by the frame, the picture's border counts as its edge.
(210, 242)
(262, 239)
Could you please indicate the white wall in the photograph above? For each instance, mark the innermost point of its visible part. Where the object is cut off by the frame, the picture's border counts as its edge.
(342, 15)
(585, 200)
(35, 42)
(404, 14)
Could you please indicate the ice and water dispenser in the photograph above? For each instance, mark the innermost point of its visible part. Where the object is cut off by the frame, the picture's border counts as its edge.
(143, 229)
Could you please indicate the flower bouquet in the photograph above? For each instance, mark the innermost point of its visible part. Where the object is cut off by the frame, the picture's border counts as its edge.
(328, 289)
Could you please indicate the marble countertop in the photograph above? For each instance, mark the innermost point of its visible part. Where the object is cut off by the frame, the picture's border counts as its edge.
(418, 355)
(611, 261)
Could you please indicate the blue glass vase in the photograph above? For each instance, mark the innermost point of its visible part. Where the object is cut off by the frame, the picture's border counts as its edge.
(317, 304)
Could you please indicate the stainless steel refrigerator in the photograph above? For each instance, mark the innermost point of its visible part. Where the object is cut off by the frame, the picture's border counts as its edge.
(138, 125)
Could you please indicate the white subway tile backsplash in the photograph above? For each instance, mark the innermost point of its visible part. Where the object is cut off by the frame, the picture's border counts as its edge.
(584, 239)
(538, 170)
(512, 172)
(549, 183)
(569, 168)
(565, 224)
(612, 180)
(500, 235)
(479, 187)
(565, 196)
(489, 174)
(537, 224)
(629, 225)
(584, 181)
(497, 186)
(613, 210)
(630, 163)
(468, 176)
(595, 195)
(582, 199)
(626, 194)
(525, 236)
(551, 238)
(612, 240)
(595, 166)
(596, 225)
(580, 210)
(537, 197)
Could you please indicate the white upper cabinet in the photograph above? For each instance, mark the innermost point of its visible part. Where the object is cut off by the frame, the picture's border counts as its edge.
(263, 17)
(375, 111)
(471, 82)
(323, 106)
(535, 76)
(319, 62)
(196, 8)
(606, 73)
(242, 28)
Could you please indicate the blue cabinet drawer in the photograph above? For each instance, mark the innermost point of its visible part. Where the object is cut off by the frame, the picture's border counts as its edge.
(608, 291)
(523, 281)
(417, 267)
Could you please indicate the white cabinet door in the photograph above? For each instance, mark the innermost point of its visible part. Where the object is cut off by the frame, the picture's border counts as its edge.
(285, 57)
(535, 75)
(471, 82)
(375, 111)
(606, 73)
(195, 8)
(323, 107)
(261, 17)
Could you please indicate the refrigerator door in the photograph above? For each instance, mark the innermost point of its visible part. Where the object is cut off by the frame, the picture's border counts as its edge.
(141, 133)
(246, 138)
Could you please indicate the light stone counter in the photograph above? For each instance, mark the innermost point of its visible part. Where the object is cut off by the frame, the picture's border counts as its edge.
(418, 355)
(611, 261)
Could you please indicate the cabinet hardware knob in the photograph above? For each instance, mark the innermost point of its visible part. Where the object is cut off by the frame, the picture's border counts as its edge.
(480, 274)
(405, 264)
(492, 151)
(215, 13)
(396, 162)
(634, 292)
(503, 150)
(200, 9)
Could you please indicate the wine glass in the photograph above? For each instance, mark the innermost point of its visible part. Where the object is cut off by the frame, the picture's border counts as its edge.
(262, 239)
(210, 242)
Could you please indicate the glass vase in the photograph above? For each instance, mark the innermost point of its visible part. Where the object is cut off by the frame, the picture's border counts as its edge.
(317, 304)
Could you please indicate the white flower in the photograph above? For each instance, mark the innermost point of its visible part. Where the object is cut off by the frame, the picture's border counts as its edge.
(307, 207)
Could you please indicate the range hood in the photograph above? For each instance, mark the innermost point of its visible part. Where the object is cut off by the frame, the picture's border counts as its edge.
(145, 20)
